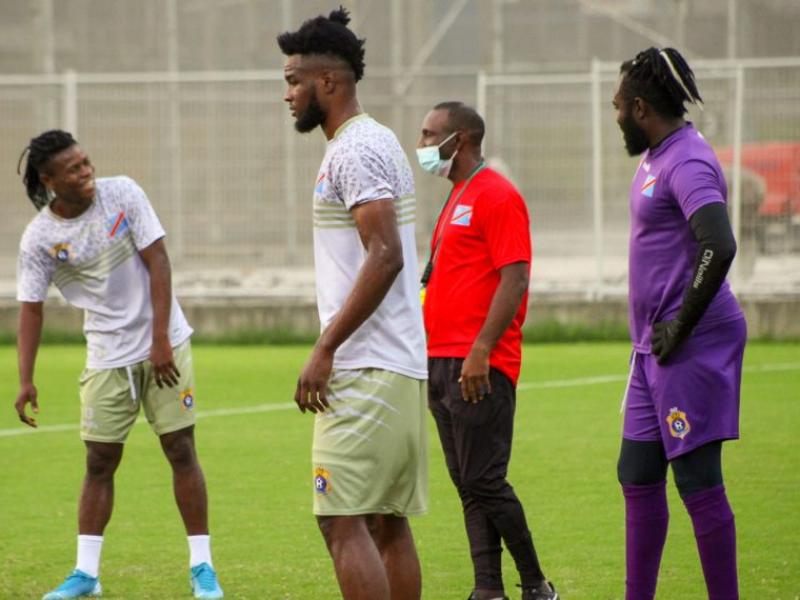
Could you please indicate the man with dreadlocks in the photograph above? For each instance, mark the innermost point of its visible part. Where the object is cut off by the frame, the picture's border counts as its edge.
(100, 242)
(366, 378)
(687, 329)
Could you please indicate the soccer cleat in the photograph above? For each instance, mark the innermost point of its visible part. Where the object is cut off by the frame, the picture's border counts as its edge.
(77, 584)
(542, 591)
(204, 582)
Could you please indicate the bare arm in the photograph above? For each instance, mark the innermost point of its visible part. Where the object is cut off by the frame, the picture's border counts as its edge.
(156, 262)
(377, 226)
(505, 304)
(29, 334)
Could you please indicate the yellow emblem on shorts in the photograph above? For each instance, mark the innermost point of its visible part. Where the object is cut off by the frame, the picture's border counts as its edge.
(322, 480)
(187, 399)
(678, 423)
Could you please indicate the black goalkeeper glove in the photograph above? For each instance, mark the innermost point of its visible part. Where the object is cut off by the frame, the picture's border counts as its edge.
(666, 337)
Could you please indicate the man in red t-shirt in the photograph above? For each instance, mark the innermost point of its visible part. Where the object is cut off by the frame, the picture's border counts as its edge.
(475, 299)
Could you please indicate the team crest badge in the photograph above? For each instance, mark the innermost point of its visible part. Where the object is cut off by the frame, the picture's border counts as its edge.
(322, 481)
(187, 399)
(678, 423)
(61, 252)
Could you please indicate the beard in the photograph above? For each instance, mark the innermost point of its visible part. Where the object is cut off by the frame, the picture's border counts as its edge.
(636, 141)
(311, 117)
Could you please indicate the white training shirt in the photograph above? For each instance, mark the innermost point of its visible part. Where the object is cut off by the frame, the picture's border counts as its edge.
(94, 261)
(364, 162)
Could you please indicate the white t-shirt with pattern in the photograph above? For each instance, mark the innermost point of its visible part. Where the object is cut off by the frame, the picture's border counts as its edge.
(365, 162)
(94, 261)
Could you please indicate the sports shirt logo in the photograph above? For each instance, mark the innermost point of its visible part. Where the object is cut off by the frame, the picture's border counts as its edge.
(678, 423)
(117, 224)
(649, 186)
(320, 185)
(322, 481)
(462, 215)
(187, 399)
(61, 252)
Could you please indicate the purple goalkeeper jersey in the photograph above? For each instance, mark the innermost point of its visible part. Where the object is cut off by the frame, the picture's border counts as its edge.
(672, 181)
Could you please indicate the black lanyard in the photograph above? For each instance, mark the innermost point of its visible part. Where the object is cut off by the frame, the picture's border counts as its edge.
(440, 226)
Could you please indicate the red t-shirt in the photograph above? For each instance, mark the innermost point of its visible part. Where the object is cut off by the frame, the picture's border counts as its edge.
(482, 230)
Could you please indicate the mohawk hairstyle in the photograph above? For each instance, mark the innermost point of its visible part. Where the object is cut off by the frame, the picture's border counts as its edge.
(40, 150)
(663, 79)
(327, 35)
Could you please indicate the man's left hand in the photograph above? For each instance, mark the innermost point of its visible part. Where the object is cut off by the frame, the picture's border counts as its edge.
(474, 378)
(164, 370)
(666, 337)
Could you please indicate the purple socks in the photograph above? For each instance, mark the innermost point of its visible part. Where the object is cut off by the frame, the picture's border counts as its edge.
(715, 532)
(646, 520)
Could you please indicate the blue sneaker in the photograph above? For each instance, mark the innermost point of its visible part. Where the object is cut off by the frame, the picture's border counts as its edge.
(204, 582)
(76, 584)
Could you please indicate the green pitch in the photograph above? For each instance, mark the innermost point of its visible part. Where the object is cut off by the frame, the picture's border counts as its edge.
(255, 449)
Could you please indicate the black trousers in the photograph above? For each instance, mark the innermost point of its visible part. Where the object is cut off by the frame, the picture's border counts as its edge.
(476, 439)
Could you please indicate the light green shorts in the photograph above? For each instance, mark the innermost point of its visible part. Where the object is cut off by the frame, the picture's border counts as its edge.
(370, 451)
(110, 399)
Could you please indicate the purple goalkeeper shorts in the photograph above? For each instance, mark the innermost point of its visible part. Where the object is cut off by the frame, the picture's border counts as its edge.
(694, 398)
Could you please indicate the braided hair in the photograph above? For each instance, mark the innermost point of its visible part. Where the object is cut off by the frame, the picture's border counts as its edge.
(40, 150)
(327, 35)
(663, 79)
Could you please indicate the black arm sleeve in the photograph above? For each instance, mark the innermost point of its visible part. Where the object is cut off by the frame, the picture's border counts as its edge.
(713, 233)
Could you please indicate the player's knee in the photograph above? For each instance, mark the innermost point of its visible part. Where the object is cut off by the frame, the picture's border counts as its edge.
(336, 530)
(690, 482)
(179, 449)
(479, 488)
(641, 463)
(102, 460)
(698, 470)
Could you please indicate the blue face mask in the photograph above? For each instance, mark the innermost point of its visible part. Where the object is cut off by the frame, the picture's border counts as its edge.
(431, 160)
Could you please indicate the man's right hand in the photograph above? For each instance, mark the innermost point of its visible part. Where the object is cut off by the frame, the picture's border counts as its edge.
(27, 393)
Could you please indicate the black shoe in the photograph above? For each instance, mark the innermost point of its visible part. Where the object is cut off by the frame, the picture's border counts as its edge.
(542, 591)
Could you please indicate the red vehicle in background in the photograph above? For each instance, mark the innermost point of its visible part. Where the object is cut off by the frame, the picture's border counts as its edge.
(776, 215)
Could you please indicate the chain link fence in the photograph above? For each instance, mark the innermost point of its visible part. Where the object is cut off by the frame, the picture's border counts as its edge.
(231, 180)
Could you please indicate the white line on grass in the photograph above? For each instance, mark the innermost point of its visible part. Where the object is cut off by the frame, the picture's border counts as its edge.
(580, 381)
(261, 408)
(221, 412)
(557, 383)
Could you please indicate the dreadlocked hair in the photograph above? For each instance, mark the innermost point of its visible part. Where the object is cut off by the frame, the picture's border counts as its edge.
(327, 35)
(663, 79)
(40, 150)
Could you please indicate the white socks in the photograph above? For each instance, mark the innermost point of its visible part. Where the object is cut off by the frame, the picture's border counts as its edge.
(199, 550)
(89, 547)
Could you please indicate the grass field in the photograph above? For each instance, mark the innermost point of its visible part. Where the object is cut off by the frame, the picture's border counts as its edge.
(255, 452)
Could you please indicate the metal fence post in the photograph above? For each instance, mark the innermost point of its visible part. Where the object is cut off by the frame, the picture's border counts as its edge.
(736, 201)
(69, 107)
(597, 179)
(174, 144)
(290, 161)
(480, 94)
